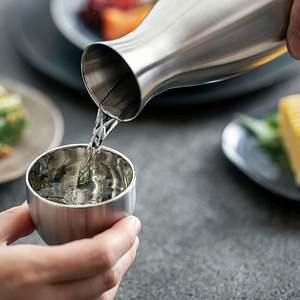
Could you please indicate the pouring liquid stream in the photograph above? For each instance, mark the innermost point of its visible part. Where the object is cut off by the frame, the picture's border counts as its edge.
(91, 184)
(90, 187)
(103, 126)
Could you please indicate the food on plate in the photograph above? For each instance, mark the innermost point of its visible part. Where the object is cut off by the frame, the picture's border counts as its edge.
(289, 128)
(279, 133)
(266, 131)
(117, 23)
(115, 18)
(5, 150)
(13, 120)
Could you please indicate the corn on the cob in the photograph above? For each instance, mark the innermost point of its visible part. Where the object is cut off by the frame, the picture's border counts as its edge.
(289, 128)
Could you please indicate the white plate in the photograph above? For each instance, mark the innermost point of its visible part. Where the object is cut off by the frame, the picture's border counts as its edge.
(45, 130)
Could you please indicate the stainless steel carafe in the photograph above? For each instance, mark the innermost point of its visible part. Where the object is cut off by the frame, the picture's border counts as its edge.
(183, 43)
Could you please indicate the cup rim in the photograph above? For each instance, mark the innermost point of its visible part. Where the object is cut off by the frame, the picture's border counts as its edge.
(69, 146)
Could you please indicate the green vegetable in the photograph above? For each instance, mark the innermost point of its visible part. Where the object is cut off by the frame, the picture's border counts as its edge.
(11, 133)
(9, 103)
(13, 118)
(267, 133)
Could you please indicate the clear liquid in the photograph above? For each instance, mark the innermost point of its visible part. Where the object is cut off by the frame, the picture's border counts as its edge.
(104, 125)
(91, 184)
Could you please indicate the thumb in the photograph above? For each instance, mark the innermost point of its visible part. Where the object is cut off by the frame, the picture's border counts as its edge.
(293, 31)
(15, 223)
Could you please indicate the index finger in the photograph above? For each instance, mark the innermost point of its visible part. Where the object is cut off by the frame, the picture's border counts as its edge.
(15, 223)
(88, 257)
(293, 31)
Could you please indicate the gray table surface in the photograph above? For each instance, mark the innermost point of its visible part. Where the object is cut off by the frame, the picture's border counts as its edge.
(208, 232)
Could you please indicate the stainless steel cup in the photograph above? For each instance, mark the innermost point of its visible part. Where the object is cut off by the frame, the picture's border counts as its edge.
(59, 223)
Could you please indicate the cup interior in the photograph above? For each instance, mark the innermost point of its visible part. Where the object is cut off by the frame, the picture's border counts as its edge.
(62, 165)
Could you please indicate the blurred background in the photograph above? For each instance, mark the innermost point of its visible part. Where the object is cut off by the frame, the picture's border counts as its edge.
(212, 228)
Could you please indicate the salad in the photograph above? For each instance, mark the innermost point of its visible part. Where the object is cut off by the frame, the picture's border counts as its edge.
(13, 120)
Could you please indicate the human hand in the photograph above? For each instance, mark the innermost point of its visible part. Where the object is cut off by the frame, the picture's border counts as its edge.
(293, 31)
(79, 270)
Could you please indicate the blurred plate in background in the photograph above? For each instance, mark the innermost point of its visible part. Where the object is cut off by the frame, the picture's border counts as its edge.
(240, 146)
(45, 130)
(65, 15)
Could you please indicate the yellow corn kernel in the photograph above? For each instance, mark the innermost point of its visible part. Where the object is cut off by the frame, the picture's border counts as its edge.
(289, 128)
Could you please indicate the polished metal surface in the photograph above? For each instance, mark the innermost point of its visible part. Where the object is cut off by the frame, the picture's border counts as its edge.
(58, 223)
(182, 43)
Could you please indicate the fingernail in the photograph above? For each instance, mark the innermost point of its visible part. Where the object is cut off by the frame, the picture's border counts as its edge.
(295, 43)
(24, 203)
(137, 225)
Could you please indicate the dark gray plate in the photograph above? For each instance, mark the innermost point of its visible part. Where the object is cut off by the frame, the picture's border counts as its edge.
(64, 14)
(241, 148)
(44, 46)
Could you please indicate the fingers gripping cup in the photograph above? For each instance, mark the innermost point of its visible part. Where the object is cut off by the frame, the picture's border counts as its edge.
(61, 212)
